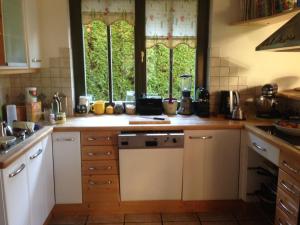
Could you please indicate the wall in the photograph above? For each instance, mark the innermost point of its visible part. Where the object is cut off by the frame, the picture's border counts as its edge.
(234, 63)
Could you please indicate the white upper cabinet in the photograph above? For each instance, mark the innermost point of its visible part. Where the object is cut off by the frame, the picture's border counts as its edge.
(33, 33)
(211, 165)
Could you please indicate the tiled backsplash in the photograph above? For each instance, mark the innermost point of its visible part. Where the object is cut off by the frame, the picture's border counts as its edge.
(56, 78)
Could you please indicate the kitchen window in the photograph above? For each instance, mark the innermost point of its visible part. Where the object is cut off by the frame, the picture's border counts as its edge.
(140, 45)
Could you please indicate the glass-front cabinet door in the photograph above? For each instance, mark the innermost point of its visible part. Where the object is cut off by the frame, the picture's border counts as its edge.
(13, 33)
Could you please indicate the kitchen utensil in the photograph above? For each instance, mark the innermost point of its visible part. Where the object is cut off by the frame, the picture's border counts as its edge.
(170, 106)
(228, 101)
(186, 100)
(31, 94)
(98, 107)
(202, 102)
(11, 114)
(237, 113)
(149, 120)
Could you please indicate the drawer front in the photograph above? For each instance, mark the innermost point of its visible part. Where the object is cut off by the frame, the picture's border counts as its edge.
(101, 188)
(291, 165)
(98, 138)
(282, 219)
(289, 185)
(263, 148)
(287, 205)
(100, 167)
(98, 152)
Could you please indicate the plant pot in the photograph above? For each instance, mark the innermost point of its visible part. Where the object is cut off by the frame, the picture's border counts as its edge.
(170, 107)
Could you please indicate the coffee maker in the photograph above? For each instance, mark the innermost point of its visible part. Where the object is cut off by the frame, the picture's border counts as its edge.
(186, 102)
(202, 102)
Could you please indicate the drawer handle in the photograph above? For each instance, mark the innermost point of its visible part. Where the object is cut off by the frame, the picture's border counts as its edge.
(286, 209)
(36, 154)
(289, 187)
(93, 183)
(200, 137)
(102, 168)
(99, 153)
(35, 60)
(19, 170)
(259, 147)
(65, 139)
(284, 163)
(91, 139)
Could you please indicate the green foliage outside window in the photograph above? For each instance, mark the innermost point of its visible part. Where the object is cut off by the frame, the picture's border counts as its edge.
(122, 39)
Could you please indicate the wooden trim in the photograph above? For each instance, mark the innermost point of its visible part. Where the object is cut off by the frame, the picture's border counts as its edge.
(149, 207)
(202, 43)
(77, 48)
(13, 70)
(47, 222)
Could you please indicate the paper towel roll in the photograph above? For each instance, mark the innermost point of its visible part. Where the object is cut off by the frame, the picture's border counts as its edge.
(11, 114)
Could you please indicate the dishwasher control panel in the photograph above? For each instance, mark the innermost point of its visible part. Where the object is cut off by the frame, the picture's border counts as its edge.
(141, 140)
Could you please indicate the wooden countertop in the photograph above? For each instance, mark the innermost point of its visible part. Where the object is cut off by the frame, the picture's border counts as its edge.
(21, 148)
(178, 122)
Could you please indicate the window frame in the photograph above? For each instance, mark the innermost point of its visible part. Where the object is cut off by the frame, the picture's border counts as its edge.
(201, 76)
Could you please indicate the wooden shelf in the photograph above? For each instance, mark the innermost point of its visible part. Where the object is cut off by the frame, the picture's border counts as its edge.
(290, 94)
(276, 18)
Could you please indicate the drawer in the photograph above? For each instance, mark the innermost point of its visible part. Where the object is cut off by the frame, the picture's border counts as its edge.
(100, 167)
(290, 164)
(99, 138)
(99, 152)
(283, 219)
(263, 148)
(289, 185)
(101, 188)
(287, 205)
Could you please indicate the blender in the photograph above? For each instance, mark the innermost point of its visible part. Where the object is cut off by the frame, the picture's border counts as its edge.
(186, 100)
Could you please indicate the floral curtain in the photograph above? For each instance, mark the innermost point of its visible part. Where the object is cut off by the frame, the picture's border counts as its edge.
(108, 11)
(171, 22)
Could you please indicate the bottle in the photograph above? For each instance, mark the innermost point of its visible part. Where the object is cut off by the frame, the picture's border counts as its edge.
(55, 105)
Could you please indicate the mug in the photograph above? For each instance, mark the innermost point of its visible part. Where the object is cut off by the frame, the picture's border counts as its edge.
(98, 107)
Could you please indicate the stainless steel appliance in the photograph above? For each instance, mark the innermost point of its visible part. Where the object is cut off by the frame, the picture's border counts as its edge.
(228, 101)
(266, 104)
(292, 140)
(151, 165)
(186, 103)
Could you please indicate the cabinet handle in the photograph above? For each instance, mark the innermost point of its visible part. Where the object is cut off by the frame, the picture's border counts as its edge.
(259, 147)
(99, 153)
(91, 139)
(289, 187)
(19, 170)
(286, 209)
(284, 163)
(200, 137)
(65, 139)
(93, 183)
(100, 168)
(35, 60)
(108, 138)
(36, 154)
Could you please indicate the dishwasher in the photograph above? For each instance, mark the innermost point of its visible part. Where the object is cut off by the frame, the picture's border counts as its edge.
(151, 165)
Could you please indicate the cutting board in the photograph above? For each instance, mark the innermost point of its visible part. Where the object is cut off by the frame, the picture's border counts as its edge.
(149, 120)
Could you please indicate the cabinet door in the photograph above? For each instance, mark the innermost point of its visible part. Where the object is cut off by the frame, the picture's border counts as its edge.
(16, 193)
(36, 181)
(49, 178)
(33, 33)
(211, 165)
(67, 167)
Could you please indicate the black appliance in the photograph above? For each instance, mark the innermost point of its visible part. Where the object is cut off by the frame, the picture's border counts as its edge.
(201, 105)
(292, 140)
(228, 101)
(149, 105)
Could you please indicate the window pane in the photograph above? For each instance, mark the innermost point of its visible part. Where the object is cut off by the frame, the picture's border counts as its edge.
(158, 70)
(184, 63)
(122, 59)
(96, 66)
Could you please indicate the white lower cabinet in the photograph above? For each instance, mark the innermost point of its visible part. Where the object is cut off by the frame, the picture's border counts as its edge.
(211, 165)
(67, 167)
(27, 189)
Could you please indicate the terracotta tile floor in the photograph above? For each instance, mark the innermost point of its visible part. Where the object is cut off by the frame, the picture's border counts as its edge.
(240, 218)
